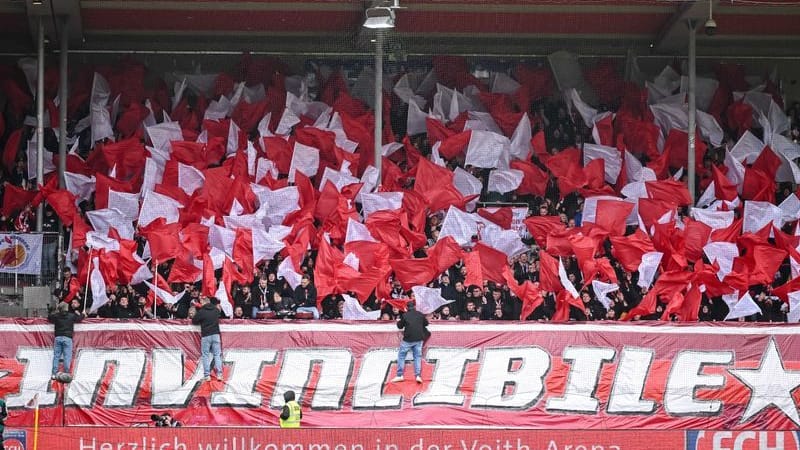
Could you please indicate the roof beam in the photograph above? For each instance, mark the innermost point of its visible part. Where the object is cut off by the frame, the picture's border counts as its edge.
(673, 36)
(53, 12)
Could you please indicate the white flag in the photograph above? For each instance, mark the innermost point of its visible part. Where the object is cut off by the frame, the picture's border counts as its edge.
(98, 285)
(126, 203)
(562, 275)
(357, 231)
(794, 307)
(743, 308)
(79, 185)
(504, 180)
(287, 272)
(723, 253)
(648, 268)
(157, 205)
(354, 311)
(488, 150)
(758, 214)
(190, 179)
(611, 157)
(521, 139)
(224, 299)
(601, 291)
(381, 201)
(428, 300)
(165, 296)
(304, 159)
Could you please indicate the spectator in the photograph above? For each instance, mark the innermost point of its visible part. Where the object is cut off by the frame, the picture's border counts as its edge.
(122, 309)
(291, 414)
(210, 343)
(63, 321)
(415, 331)
(305, 296)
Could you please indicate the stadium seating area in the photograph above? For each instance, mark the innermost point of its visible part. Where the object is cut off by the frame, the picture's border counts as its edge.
(501, 198)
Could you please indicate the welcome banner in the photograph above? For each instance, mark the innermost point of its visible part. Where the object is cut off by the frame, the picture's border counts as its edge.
(510, 375)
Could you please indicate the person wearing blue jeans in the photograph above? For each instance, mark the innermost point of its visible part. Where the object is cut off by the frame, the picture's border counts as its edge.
(414, 326)
(63, 321)
(210, 343)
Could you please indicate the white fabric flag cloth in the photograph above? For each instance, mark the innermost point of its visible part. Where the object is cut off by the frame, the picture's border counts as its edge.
(416, 120)
(221, 238)
(562, 275)
(481, 121)
(103, 220)
(369, 180)
(277, 204)
(467, 185)
(462, 226)
(79, 185)
(648, 268)
(428, 300)
(405, 92)
(339, 179)
(758, 214)
(390, 148)
(587, 112)
(100, 241)
(442, 101)
(708, 197)
(504, 180)
(743, 308)
(735, 172)
(590, 208)
(126, 203)
(354, 311)
(157, 205)
(611, 156)
(265, 246)
(747, 148)
(794, 307)
(233, 139)
(165, 296)
(506, 241)
(100, 118)
(304, 159)
(243, 220)
(381, 201)
(162, 134)
(48, 165)
(190, 179)
(288, 120)
(521, 139)
(704, 90)
(287, 272)
(723, 253)
(99, 297)
(601, 291)
(218, 109)
(488, 150)
(357, 231)
(352, 260)
(224, 299)
(501, 83)
(714, 219)
(265, 167)
(791, 208)
(153, 175)
(763, 104)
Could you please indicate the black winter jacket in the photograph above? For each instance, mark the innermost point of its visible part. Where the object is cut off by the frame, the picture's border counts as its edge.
(64, 322)
(208, 319)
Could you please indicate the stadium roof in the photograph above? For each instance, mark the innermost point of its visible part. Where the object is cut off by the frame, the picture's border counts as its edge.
(745, 27)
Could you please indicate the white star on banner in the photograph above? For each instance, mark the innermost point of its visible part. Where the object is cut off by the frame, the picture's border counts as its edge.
(770, 384)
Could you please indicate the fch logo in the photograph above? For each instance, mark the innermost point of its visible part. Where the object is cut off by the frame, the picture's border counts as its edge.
(15, 439)
(742, 440)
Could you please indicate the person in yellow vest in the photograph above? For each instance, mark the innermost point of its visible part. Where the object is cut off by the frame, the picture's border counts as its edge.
(291, 413)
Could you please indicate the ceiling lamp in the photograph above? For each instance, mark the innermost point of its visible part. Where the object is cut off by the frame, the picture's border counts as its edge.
(381, 17)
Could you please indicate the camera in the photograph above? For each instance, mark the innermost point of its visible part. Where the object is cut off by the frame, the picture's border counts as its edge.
(164, 420)
(710, 27)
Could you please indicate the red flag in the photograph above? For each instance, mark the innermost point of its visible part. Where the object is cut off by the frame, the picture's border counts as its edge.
(243, 253)
(527, 292)
(678, 146)
(15, 199)
(723, 188)
(629, 249)
(165, 244)
(669, 191)
(454, 145)
(612, 215)
(540, 226)
(696, 236)
(534, 179)
(502, 217)
(758, 185)
(548, 273)
(183, 271)
(209, 279)
(484, 263)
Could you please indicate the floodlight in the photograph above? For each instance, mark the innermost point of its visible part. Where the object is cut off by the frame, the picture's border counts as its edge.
(379, 18)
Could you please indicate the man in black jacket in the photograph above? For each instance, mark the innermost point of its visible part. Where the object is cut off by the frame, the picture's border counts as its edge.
(305, 297)
(63, 321)
(210, 344)
(413, 323)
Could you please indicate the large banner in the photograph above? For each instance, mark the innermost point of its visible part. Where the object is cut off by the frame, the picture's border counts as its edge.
(21, 253)
(344, 439)
(510, 375)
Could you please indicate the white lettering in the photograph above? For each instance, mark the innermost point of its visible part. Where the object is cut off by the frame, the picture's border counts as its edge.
(336, 366)
(525, 369)
(763, 440)
(686, 376)
(450, 366)
(92, 366)
(629, 380)
(35, 379)
(584, 375)
(168, 387)
(245, 372)
(368, 391)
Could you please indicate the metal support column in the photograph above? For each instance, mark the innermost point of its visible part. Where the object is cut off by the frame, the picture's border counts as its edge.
(692, 105)
(379, 103)
(40, 121)
(63, 95)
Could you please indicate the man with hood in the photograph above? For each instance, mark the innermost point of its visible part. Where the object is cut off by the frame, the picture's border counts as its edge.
(63, 321)
(413, 323)
(210, 343)
(291, 414)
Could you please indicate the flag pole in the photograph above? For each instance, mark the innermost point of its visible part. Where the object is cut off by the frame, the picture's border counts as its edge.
(155, 293)
(36, 425)
(86, 288)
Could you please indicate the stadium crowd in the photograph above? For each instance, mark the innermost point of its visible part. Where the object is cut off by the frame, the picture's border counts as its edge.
(309, 271)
